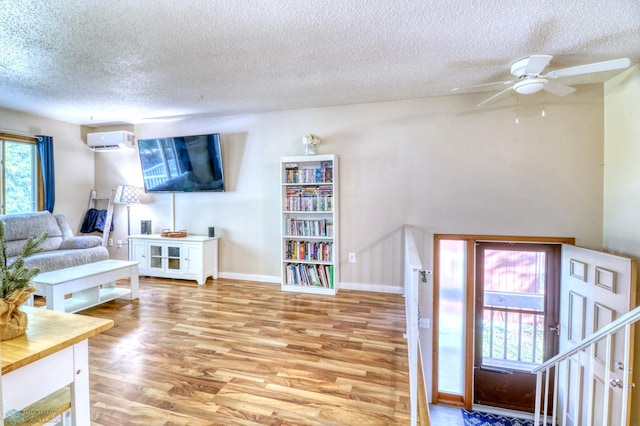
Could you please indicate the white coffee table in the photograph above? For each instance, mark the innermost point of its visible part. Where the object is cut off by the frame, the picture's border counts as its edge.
(89, 285)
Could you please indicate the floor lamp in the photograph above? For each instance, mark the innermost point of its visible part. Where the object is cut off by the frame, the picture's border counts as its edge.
(128, 194)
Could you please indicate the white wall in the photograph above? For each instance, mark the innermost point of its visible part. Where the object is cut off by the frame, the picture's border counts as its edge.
(439, 164)
(74, 166)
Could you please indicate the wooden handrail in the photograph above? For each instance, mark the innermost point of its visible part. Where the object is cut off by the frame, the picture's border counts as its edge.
(628, 318)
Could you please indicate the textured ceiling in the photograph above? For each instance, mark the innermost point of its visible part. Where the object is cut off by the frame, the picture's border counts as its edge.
(97, 62)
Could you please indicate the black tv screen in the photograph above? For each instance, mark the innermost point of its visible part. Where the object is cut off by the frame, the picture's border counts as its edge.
(182, 163)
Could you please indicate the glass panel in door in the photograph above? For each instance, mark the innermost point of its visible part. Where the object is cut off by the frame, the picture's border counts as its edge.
(173, 261)
(516, 296)
(451, 316)
(155, 256)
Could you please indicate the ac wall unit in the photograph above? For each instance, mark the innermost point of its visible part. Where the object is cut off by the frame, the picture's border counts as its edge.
(110, 141)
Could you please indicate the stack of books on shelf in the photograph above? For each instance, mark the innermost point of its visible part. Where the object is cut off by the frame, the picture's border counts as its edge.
(309, 198)
(308, 227)
(322, 174)
(318, 251)
(310, 275)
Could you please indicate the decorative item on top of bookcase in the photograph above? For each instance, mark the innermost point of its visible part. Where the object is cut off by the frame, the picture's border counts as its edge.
(310, 143)
(309, 210)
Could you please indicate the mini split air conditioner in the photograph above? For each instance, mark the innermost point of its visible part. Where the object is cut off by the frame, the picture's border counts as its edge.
(110, 141)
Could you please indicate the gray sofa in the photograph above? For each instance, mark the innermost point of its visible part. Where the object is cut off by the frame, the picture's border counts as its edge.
(60, 250)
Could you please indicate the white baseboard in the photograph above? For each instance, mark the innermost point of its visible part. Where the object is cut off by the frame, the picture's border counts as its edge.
(380, 288)
(250, 277)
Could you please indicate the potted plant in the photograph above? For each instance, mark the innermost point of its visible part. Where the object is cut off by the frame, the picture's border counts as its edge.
(16, 286)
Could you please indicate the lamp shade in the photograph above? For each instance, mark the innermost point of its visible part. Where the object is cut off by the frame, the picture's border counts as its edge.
(127, 194)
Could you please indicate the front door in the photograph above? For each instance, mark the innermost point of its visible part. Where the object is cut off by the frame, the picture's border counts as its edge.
(516, 314)
(597, 288)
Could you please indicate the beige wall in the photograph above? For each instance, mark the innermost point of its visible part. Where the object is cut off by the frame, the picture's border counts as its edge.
(622, 180)
(74, 166)
(439, 164)
(622, 164)
(111, 170)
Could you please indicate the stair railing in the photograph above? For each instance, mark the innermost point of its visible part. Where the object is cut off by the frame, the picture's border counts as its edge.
(412, 268)
(544, 370)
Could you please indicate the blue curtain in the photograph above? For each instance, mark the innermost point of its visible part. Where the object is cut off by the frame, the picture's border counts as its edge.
(45, 150)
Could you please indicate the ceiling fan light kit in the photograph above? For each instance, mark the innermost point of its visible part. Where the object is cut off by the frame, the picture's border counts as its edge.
(529, 86)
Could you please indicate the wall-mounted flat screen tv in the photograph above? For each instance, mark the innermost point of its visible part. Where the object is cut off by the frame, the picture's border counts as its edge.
(182, 163)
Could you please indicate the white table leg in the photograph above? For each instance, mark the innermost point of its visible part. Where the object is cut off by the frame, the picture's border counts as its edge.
(134, 281)
(55, 297)
(80, 403)
(215, 261)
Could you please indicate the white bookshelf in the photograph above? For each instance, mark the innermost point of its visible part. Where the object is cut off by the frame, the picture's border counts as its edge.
(309, 223)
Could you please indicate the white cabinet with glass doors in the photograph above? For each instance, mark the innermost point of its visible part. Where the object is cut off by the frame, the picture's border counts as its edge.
(193, 257)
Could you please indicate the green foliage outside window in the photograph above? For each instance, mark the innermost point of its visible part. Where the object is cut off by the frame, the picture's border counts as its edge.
(20, 175)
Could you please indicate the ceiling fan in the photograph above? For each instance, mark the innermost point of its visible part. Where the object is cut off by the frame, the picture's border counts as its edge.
(529, 78)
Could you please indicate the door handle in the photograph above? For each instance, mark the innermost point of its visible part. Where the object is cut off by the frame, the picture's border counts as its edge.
(555, 328)
(616, 383)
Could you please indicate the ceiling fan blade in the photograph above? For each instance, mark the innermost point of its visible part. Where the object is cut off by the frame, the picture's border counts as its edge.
(494, 96)
(456, 89)
(536, 64)
(558, 89)
(614, 64)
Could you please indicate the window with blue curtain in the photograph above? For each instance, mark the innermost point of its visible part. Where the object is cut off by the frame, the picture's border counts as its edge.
(21, 181)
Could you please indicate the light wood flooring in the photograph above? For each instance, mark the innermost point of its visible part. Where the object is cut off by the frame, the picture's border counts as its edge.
(244, 353)
(444, 415)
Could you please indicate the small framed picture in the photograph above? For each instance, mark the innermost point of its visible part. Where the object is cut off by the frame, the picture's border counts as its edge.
(145, 227)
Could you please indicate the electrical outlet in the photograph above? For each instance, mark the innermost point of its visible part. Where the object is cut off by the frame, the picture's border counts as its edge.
(424, 323)
(352, 258)
(119, 243)
(110, 242)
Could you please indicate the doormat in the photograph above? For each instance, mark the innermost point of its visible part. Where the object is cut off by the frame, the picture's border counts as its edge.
(478, 418)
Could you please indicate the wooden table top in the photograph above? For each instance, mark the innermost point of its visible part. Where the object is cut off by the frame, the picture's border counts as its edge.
(48, 332)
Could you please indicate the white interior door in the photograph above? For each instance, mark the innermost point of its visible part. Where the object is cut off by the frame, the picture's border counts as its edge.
(596, 288)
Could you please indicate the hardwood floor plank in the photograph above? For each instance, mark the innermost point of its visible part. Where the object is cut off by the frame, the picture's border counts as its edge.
(245, 353)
